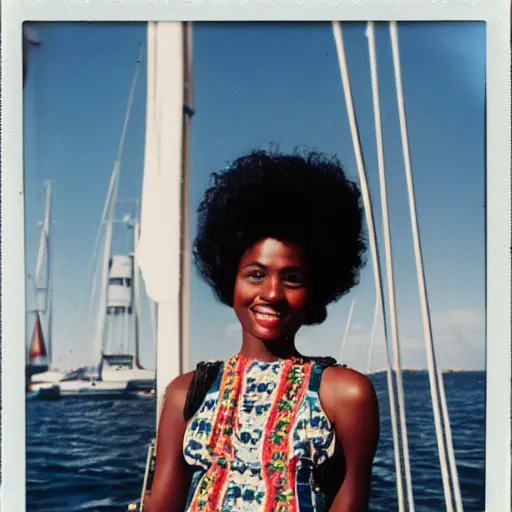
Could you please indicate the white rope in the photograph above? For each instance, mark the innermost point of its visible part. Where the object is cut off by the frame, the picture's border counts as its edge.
(106, 209)
(372, 337)
(419, 269)
(389, 259)
(449, 443)
(92, 296)
(373, 244)
(129, 107)
(347, 330)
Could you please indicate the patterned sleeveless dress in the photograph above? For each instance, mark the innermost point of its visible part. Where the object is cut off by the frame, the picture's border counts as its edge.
(254, 441)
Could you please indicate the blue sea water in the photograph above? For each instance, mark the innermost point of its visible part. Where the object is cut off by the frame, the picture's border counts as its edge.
(90, 455)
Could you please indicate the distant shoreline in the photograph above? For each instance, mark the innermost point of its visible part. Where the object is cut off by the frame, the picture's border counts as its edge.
(418, 369)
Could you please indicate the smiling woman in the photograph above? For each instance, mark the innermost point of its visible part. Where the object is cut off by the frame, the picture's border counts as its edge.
(279, 238)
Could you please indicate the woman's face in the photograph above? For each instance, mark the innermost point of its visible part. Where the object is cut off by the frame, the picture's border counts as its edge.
(271, 290)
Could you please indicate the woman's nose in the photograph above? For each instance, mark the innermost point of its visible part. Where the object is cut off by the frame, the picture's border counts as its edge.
(272, 290)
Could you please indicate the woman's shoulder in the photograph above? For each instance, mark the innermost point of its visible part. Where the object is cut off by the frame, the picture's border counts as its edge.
(347, 382)
(345, 388)
(181, 384)
(177, 390)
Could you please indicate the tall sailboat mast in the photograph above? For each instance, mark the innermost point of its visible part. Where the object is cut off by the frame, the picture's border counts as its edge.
(43, 285)
(188, 112)
(109, 218)
(164, 258)
(136, 292)
(49, 307)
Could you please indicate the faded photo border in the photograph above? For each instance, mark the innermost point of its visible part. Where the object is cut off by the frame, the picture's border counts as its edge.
(496, 14)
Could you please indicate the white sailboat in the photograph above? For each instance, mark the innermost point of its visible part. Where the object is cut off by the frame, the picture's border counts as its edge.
(119, 372)
(41, 375)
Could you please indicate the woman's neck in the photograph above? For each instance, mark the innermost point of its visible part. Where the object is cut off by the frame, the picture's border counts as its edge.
(269, 351)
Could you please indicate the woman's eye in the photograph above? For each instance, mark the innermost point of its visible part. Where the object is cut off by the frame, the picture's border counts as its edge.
(293, 279)
(256, 275)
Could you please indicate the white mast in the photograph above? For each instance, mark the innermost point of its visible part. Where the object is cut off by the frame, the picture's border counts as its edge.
(186, 257)
(41, 275)
(43, 269)
(347, 330)
(165, 190)
(108, 217)
(49, 310)
(102, 313)
(136, 292)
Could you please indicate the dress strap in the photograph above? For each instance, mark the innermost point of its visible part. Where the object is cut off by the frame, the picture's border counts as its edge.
(320, 364)
(204, 378)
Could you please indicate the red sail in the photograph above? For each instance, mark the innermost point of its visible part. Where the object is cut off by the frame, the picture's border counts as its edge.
(37, 348)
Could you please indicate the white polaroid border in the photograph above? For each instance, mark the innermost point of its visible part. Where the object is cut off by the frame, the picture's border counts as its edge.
(496, 14)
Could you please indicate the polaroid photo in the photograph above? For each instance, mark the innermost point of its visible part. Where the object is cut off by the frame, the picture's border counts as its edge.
(275, 243)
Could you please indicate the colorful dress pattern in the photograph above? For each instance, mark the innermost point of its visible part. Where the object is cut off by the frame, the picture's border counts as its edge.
(256, 438)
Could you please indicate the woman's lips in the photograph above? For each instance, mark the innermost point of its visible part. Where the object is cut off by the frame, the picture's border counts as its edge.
(266, 318)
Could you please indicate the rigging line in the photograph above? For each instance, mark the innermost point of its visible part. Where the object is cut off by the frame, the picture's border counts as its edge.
(448, 435)
(338, 37)
(347, 330)
(419, 267)
(372, 338)
(117, 163)
(100, 326)
(129, 107)
(389, 257)
(93, 291)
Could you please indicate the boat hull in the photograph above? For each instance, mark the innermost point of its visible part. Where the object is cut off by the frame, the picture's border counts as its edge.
(92, 389)
(48, 393)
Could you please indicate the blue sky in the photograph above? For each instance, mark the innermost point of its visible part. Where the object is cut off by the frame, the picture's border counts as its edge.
(257, 84)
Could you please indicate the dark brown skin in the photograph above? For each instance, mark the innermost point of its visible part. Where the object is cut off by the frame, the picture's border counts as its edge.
(270, 300)
(272, 277)
(172, 476)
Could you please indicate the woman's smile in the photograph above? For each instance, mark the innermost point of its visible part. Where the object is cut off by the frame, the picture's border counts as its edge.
(267, 317)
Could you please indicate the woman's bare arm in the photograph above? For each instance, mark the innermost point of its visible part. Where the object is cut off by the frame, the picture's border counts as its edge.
(349, 400)
(172, 477)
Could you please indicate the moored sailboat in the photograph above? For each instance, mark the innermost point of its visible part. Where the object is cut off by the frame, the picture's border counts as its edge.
(117, 346)
(41, 376)
(42, 389)
(117, 371)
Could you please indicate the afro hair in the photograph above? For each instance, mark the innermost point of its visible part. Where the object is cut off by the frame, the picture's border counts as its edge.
(305, 198)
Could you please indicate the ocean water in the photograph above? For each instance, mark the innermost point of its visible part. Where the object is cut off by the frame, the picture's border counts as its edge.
(90, 455)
